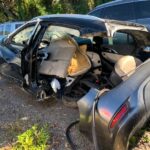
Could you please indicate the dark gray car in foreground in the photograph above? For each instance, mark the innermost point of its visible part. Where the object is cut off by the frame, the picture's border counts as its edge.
(79, 57)
(118, 113)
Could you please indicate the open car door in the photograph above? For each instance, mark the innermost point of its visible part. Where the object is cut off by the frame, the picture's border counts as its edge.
(29, 55)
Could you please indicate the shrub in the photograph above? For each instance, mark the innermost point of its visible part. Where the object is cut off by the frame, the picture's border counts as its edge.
(35, 138)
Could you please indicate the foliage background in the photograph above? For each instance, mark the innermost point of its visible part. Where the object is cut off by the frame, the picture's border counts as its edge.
(26, 9)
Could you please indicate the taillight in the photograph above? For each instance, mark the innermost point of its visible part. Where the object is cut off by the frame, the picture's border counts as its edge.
(123, 110)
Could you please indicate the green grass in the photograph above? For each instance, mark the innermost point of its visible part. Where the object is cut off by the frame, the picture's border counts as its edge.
(35, 138)
(141, 136)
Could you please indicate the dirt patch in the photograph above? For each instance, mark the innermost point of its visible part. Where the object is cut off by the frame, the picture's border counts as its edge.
(19, 111)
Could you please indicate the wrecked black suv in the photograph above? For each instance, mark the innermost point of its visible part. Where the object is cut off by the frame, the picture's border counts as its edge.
(79, 56)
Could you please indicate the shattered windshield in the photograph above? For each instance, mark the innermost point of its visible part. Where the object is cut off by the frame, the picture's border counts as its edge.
(53, 32)
(22, 36)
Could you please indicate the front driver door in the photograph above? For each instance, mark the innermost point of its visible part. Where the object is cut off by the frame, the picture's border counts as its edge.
(29, 53)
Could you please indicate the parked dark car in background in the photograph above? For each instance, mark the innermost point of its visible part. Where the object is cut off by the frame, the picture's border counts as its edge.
(8, 27)
(76, 56)
(125, 10)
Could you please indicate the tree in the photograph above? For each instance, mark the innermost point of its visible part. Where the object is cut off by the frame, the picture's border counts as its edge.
(7, 9)
(27, 9)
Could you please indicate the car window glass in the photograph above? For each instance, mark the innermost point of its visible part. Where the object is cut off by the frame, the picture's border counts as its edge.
(130, 39)
(143, 9)
(23, 35)
(1, 29)
(119, 39)
(18, 25)
(119, 12)
(7, 29)
(56, 31)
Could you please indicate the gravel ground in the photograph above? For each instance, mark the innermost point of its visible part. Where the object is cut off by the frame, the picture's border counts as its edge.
(19, 111)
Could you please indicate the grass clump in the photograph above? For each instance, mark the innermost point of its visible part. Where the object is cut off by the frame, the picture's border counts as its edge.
(35, 138)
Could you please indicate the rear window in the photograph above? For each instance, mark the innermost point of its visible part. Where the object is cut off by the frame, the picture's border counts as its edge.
(142, 9)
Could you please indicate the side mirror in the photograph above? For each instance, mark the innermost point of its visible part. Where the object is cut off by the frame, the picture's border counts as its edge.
(146, 49)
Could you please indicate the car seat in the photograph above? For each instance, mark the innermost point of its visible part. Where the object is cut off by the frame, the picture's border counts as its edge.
(123, 68)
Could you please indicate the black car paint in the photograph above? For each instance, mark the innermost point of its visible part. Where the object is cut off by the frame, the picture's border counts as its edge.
(85, 23)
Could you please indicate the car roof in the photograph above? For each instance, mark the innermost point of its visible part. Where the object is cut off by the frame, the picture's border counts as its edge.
(84, 22)
(89, 25)
(68, 16)
(116, 2)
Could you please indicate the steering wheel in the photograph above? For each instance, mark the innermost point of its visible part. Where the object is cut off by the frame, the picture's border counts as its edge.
(108, 49)
(44, 43)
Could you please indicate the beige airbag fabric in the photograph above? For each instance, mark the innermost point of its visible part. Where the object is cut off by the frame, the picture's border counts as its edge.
(66, 58)
(61, 51)
(80, 62)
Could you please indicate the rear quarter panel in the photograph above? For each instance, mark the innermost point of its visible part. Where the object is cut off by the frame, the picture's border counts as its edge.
(135, 91)
(147, 98)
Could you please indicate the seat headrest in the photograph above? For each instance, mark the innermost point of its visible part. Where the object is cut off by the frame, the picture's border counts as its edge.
(126, 65)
